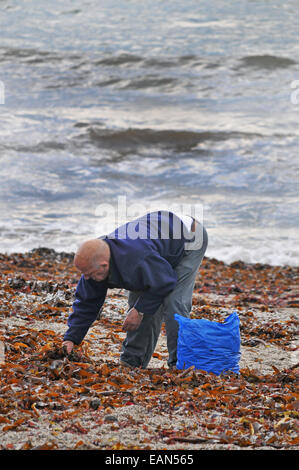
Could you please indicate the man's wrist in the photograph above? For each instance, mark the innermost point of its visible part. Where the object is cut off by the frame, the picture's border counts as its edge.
(139, 313)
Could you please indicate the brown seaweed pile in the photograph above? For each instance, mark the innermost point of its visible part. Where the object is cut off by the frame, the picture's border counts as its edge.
(41, 383)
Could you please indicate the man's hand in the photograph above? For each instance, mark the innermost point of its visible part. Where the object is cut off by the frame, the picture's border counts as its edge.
(133, 320)
(68, 346)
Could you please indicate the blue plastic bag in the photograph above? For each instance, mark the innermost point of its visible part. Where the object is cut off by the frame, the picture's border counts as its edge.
(209, 345)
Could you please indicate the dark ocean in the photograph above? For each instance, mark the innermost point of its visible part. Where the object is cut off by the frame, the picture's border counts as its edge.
(156, 103)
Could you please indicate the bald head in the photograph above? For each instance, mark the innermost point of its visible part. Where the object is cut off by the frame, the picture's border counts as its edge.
(92, 259)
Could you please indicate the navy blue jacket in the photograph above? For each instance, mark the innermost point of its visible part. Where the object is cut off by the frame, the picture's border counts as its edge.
(143, 255)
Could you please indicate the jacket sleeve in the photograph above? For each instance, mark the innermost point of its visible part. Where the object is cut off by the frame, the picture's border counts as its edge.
(89, 298)
(158, 279)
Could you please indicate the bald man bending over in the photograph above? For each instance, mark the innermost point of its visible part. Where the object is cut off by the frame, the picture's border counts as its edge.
(156, 258)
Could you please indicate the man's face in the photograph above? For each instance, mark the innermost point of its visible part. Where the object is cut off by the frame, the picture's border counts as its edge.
(98, 272)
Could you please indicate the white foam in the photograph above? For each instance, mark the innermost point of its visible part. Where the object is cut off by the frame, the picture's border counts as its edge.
(263, 249)
(228, 247)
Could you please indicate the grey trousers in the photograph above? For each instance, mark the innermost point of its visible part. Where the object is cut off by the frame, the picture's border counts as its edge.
(139, 345)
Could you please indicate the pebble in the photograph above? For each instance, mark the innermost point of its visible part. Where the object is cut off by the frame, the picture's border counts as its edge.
(110, 419)
(94, 404)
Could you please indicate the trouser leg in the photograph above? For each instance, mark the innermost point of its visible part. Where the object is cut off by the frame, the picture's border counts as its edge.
(139, 345)
(180, 299)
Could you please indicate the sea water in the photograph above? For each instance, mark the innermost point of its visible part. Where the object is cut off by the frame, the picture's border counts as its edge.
(157, 102)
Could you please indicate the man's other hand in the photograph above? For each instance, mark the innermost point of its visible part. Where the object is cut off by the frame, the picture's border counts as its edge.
(68, 346)
(133, 320)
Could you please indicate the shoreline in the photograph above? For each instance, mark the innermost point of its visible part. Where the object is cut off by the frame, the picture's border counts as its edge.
(214, 276)
(54, 253)
(49, 401)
